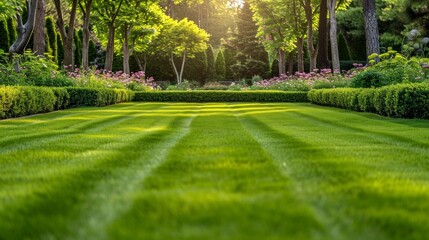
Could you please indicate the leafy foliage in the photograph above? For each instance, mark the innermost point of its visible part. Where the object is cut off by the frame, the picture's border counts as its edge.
(4, 36)
(211, 66)
(401, 100)
(369, 79)
(51, 35)
(221, 96)
(220, 65)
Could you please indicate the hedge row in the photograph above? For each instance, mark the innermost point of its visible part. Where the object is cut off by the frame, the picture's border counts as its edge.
(98, 97)
(221, 96)
(402, 100)
(23, 101)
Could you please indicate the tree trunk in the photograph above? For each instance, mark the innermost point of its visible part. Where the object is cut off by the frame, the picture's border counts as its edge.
(24, 30)
(139, 62)
(86, 34)
(110, 48)
(282, 62)
(175, 69)
(312, 51)
(67, 37)
(333, 36)
(39, 40)
(300, 51)
(322, 56)
(290, 63)
(183, 67)
(371, 28)
(126, 48)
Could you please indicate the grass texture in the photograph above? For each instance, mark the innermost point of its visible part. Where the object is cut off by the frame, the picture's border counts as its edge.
(213, 171)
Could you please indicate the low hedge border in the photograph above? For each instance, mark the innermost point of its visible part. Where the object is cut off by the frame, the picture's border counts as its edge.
(19, 101)
(400, 101)
(98, 97)
(221, 96)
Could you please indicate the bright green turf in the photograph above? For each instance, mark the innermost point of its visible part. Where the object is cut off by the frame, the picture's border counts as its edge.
(213, 171)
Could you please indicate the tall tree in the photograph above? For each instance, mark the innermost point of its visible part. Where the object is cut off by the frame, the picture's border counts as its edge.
(322, 36)
(67, 36)
(137, 26)
(371, 27)
(310, 14)
(25, 30)
(108, 11)
(39, 38)
(52, 37)
(220, 65)
(282, 27)
(77, 42)
(248, 44)
(60, 51)
(85, 7)
(335, 56)
(181, 39)
(211, 69)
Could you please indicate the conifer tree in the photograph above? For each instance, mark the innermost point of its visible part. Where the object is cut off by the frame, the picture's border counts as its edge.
(229, 56)
(77, 48)
(211, 68)
(11, 27)
(248, 45)
(51, 34)
(60, 50)
(220, 65)
(92, 52)
(196, 69)
(4, 36)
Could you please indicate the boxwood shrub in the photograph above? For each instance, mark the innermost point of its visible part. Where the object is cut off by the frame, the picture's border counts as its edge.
(22, 101)
(17, 101)
(402, 100)
(221, 96)
(98, 96)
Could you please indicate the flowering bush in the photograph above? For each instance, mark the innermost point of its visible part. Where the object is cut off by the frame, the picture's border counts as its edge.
(107, 79)
(398, 68)
(32, 71)
(302, 81)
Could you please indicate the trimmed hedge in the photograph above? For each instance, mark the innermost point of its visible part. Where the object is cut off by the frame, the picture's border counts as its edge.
(17, 101)
(98, 97)
(221, 96)
(22, 101)
(401, 101)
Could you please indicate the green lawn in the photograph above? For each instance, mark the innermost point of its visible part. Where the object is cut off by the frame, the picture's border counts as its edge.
(213, 171)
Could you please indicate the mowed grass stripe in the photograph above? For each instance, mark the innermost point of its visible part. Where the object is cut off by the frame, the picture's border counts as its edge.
(235, 171)
(217, 183)
(364, 184)
(51, 191)
(86, 119)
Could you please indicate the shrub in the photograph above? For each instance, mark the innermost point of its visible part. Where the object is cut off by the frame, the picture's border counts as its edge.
(62, 98)
(221, 96)
(98, 97)
(401, 100)
(215, 86)
(22, 101)
(369, 79)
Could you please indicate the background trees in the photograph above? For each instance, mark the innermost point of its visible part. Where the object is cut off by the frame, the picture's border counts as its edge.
(181, 39)
(246, 37)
